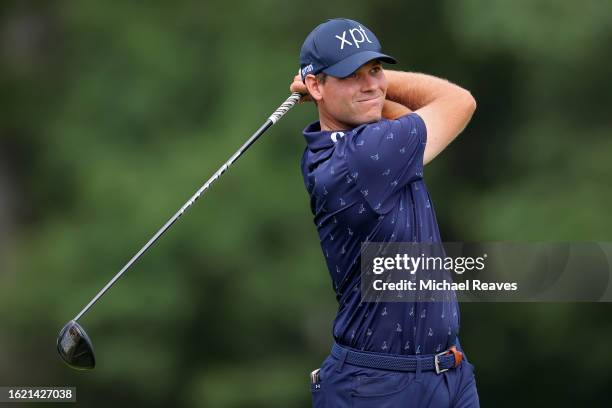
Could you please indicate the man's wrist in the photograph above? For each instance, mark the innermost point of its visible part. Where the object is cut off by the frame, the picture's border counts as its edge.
(399, 88)
(416, 90)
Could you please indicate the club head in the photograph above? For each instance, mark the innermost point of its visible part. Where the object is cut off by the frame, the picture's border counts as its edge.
(74, 347)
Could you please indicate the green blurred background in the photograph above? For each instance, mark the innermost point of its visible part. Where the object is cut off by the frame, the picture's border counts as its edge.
(115, 112)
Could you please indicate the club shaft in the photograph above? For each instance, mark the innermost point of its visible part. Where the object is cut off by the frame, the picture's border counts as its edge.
(280, 111)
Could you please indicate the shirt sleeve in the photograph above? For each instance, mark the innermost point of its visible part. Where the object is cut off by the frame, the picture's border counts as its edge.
(386, 156)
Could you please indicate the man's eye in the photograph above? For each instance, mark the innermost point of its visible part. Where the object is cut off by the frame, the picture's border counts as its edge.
(376, 70)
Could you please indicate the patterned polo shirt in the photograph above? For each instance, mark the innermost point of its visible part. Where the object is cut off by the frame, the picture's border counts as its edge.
(366, 185)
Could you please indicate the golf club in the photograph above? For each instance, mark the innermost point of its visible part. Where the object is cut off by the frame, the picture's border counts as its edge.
(73, 343)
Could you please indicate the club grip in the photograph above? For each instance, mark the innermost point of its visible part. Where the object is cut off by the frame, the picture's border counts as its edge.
(284, 108)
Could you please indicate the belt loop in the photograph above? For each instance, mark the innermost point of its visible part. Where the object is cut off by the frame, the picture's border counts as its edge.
(418, 369)
(341, 360)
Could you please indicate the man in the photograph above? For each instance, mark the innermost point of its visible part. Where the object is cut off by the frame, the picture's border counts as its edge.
(363, 169)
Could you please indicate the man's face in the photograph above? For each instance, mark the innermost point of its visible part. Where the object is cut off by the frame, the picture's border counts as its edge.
(356, 99)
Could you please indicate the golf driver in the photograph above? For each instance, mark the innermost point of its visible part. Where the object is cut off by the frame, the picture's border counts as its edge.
(73, 343)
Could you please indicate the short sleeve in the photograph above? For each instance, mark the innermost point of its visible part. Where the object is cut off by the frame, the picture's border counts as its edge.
(386, 156)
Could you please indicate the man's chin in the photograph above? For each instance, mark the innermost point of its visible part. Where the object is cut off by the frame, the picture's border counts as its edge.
(368, 117)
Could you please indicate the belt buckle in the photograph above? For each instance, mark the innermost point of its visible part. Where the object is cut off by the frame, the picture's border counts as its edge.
(457, 356)
(437, 362)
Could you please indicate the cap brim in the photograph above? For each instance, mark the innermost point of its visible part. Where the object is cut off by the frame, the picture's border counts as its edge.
(350, 64)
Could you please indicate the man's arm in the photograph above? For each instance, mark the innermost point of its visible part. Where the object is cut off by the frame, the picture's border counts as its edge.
(394, 110)
(445, 108)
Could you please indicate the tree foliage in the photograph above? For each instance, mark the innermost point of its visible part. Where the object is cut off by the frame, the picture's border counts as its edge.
(115, 112)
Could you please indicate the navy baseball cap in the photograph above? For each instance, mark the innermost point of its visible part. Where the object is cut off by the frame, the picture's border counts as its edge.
(338, 47)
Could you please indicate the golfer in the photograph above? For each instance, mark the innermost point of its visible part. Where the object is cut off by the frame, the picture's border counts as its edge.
(363, 169)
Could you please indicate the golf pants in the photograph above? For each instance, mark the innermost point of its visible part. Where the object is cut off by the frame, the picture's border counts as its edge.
(343, 385)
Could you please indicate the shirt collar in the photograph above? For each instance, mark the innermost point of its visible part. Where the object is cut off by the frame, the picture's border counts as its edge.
(321, 139)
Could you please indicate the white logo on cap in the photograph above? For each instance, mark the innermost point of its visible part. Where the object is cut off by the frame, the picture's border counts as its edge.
(356, 41)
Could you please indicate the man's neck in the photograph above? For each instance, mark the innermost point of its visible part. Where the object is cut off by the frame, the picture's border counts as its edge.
(329, 123)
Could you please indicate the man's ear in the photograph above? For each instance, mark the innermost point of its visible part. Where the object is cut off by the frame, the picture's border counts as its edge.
(314, 87)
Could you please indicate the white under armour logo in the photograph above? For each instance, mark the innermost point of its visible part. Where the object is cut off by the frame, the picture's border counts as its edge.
(361, 37)
(334, 136)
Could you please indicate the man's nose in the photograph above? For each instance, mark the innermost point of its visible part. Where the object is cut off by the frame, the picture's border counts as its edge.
(368, 83)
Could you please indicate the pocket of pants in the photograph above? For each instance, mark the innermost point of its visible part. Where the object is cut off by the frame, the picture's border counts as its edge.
(470, 366)
(382, 389)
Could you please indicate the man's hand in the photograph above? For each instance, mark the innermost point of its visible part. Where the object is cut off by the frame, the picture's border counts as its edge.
(298, 86)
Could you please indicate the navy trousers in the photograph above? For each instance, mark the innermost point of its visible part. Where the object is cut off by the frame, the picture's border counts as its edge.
(342, 385)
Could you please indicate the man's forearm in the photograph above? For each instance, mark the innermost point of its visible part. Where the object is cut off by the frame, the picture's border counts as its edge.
(444, 107)
(394, 110)
(415, 90)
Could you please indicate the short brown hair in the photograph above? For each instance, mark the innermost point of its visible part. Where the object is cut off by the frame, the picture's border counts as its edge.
(321, 77)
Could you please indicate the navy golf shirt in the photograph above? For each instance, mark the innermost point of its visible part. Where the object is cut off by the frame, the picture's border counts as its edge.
(366, 185)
